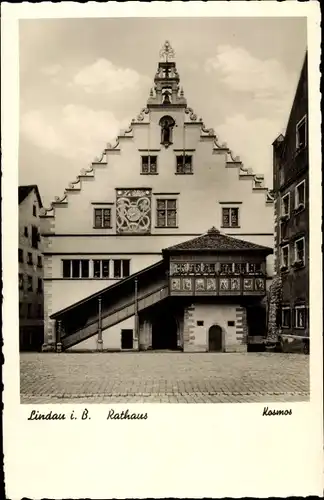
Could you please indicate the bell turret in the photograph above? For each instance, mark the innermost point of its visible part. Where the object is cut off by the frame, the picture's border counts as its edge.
(166, 90)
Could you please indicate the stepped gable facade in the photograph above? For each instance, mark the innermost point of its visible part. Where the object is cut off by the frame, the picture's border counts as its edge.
(161, 183)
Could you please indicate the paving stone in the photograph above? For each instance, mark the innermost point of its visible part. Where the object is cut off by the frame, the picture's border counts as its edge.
(163, 377)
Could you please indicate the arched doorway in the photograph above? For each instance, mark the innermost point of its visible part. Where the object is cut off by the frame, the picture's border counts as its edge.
(164, 332)
(215, 339)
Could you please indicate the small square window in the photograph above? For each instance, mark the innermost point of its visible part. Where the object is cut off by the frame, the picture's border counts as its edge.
(102, 218)
(300, 252)
(149, 164)
(285, 205)
(200, 323)
(231, 323)
(230, 217)
(285, 257)
(285, 317)
(300, 316)
(184, 164)
(300, 195)
(166, 213)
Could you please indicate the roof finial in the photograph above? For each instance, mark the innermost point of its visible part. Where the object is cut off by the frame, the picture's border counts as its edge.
(167, 51)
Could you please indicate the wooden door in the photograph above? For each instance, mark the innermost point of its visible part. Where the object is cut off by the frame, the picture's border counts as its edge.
(215, 341)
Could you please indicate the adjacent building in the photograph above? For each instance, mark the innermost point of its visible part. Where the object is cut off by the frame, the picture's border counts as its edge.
(134, 238)
(291, 194)
(30, 258)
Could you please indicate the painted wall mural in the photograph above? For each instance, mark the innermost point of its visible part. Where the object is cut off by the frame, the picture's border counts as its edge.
(218, 285)
(133, 211)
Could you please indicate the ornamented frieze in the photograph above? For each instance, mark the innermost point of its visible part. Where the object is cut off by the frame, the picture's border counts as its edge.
(217, 285)
(133, 211)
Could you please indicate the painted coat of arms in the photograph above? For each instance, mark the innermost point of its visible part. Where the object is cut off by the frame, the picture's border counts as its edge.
(133, 211)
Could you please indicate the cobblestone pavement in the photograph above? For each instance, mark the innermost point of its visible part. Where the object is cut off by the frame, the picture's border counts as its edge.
(162, 377)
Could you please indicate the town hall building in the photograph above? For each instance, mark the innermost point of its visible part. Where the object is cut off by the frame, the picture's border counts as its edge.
(164, 242)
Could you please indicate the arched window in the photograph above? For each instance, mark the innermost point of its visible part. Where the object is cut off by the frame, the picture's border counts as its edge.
(166, 123)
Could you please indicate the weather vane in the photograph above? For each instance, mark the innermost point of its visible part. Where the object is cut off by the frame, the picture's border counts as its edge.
(167, 51)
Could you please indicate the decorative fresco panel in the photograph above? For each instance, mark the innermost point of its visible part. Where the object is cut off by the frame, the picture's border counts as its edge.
(133, 211)
(175, 284)
(224, 284)
(248, 284)
(235, 284)
(259, 284)
(200, 285)
(211, 284)
(187, 284)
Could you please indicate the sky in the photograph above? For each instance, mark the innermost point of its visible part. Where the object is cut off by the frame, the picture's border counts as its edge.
(82, 80)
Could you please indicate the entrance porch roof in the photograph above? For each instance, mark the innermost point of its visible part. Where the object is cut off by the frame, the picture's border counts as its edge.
(215, 241)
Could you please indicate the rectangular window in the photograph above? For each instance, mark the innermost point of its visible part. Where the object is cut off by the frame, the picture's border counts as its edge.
(149, 164)
(21, 281)
(20, 255)
(166, 213)
(34, 210)
(29, 310)
(300, 251)
(184, 164)
(200, 323)
(102, 218)
(35, 237)
(39, 285)
(300, 195)
(29, 283)
(66, 269)
(301, 134)
(26, 231)
(300, 316)
(231, 323)
(285, 205)
(39, 261)
(30, 258)
(230, 217)
(76, 268)
(121, 268)
(101, 268)
(285, 317)
(285, 257)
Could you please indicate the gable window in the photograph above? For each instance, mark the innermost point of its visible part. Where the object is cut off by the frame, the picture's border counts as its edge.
(101, 268)
(76, 268)
(300, 252)
(301, 134)
(102, 218)
(149, 164)
(184, 164)
(300, 195)
(300, 316)
(166, 213)
(285, 257)
(285, 205)
(285, 317)
(20, 255)
(121, 268)
(30, 283)
(30, 259)
(34, 210)
(230, 217)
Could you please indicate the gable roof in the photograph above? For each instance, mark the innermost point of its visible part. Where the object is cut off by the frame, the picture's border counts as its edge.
(215, 241)
(23, 192)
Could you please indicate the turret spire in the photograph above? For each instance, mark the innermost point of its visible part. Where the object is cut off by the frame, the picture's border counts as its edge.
(167, 52)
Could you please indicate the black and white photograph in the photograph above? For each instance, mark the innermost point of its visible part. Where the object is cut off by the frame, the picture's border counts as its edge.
(169, 269)
(165, 208)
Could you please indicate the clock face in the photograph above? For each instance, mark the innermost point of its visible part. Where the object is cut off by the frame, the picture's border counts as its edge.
(133, 214)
